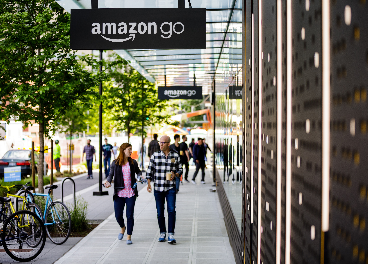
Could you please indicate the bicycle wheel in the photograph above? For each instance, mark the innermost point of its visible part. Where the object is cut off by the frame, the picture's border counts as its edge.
(35, 209)
(29, 198)
(7, 210)
(58, 223)
(23, 236)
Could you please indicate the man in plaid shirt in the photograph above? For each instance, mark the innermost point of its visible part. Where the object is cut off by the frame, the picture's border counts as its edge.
(163, 163)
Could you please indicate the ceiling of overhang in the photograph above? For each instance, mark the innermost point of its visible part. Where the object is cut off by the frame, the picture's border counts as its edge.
(221, 58)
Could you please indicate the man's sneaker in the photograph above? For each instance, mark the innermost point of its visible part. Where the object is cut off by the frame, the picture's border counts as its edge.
(186, 180)
(171, 239)
(91, 176)
(88, 177)
(193, 182)
(162, 237)
(202, 182)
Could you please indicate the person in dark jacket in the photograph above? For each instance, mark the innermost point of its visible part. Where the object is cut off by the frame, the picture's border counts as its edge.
(124, 169)
(199, 154)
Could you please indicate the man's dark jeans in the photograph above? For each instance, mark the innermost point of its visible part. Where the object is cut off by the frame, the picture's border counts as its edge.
(201, 165)
(186, 165)
(107, 166)
(119, 204)
(170, 196)
(89, 166)
(57, 164)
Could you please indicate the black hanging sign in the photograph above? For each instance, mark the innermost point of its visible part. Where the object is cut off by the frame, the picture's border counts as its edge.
(235, 92)
(180, 92)
(138, 28)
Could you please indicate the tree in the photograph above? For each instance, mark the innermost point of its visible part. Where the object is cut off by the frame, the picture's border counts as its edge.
(132, 99)
(41, 77)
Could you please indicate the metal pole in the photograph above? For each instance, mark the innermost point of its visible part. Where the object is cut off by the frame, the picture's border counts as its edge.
(142, 156)
(70, 155)
(33, 168)
(94, 4)
(181, 3)
(214, 131)
(67, 156)
(52, 164)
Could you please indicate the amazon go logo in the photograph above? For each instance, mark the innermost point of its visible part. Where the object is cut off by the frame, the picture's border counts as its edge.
(128, 31)
(177, 93)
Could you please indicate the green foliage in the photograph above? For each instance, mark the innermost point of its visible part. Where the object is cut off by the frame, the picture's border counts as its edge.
(22, 182)
(41, 202)
(131, 98)
(79, 215)
(41, 77)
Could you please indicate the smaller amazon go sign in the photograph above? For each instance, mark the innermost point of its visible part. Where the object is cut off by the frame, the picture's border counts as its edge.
(180, 92)
(138, 28)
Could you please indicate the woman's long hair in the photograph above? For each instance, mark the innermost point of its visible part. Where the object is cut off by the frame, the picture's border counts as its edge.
(121, 158)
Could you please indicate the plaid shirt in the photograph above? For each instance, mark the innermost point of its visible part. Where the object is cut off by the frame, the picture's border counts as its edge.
(158, 167)
(89, 150)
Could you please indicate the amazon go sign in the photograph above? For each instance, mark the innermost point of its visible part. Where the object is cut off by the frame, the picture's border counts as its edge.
(138, 28)
(180, 92)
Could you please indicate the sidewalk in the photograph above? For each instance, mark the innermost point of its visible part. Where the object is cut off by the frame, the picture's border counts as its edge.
(200, 231)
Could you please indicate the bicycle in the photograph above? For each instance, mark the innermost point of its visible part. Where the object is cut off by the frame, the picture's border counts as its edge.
(23, 234)
(56, 218)
(23, 199)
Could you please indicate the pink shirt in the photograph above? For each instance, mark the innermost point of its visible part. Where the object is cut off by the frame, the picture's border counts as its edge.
(127, 192)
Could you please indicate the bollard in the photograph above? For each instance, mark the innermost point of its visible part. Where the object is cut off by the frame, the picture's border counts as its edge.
(62, 190)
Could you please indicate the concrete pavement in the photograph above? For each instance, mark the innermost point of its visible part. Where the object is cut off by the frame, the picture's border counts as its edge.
(200, 232)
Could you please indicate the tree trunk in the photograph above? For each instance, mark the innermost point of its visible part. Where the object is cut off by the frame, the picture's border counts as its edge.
(128, 134)
(41, 157)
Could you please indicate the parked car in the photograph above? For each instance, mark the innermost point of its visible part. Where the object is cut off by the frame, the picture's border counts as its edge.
(19, 157)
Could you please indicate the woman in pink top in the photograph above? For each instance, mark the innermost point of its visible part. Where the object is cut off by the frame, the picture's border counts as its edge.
(123, 171)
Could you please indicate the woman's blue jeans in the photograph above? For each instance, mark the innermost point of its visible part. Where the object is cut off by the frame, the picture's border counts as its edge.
(119, 205)
(170, 196)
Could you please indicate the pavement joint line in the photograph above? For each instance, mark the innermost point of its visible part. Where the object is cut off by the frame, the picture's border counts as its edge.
(83, 241)
(150, 251)
(108, 252)
(193, 235)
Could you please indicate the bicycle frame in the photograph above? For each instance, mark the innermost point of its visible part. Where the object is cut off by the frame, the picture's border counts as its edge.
(48, 200)
(9, 195)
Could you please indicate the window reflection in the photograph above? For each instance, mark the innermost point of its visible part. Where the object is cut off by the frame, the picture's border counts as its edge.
(229, 148)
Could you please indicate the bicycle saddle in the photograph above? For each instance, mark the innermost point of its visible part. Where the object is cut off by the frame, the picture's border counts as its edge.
(4, 199)
(29, 188)
(52, 187)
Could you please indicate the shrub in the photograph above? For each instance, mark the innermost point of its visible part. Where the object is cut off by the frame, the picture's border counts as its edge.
(79, 215)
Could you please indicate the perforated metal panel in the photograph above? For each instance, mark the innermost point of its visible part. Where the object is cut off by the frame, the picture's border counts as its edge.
(269, 133)
(346, 238)
(348, 235)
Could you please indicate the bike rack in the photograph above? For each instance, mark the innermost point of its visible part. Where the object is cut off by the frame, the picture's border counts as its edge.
(62, 190)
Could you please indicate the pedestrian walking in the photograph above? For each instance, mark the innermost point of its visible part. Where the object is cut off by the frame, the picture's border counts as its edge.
(226, 160)
(205, 148)
(184, 156)
(164, 166)
(124, 172)
(89, 151)
(142, 148)
(176, 147)
(57, 155)
(191, 145)
(198, 158)
(106, 152)
(153, 146)
(115, 150)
